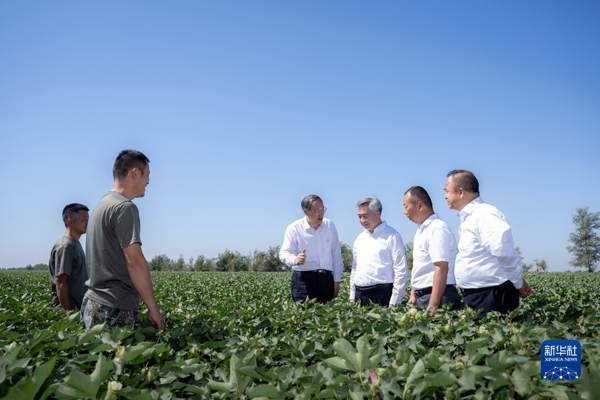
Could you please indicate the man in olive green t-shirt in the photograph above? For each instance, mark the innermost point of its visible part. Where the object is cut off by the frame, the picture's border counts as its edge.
(67, 260)
(119, 273)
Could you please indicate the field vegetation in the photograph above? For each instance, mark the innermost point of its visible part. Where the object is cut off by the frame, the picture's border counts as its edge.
(238, 335)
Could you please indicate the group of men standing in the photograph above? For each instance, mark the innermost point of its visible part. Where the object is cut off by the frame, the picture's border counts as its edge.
(484, 264)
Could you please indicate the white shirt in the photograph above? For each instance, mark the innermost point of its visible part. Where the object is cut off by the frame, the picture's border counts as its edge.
(433, 242)
(322, 247)
(378, 259)
(486, 253)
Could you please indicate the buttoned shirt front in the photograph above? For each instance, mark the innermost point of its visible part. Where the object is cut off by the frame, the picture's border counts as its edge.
(322, 247)
(433, 242)
(486, 253)
(379, 259)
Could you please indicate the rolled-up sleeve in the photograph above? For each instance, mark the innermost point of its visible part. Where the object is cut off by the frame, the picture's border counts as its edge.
(289, 249)
(400, 271)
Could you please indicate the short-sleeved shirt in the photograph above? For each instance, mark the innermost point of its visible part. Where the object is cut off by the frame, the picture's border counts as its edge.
(433, 242)
(113, 226)
(67, 258)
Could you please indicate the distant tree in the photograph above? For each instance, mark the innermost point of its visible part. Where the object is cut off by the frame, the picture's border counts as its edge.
(231, 261)
(408, 252)
(180, 264)
(526, 267)
(204, 264)
(255, 259)
(542, 266)
(190, 264)
(40, 267)
(585, 240)
(272, 262)
(347, 256)
(160, 263)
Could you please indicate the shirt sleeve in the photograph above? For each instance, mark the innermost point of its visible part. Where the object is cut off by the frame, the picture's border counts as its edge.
(400, 270)
(496, 239)
(289, 249)
(63, 260)
(353, 272)
(337, 263)
(127, 224)
(439, 246)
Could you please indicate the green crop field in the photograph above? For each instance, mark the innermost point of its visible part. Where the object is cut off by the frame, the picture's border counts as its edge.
(238, 335)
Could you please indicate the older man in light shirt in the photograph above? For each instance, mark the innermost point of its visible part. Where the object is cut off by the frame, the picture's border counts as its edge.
(434, 253)
(312, 248)
(488, 268)
(379, 266)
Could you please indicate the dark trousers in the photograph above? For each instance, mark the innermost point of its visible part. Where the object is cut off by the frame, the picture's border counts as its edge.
(313, 285)
(450, 296)
(502, 298)
(378, 294)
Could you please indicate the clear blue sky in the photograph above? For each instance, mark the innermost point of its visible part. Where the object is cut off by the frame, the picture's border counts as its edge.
(245, 107)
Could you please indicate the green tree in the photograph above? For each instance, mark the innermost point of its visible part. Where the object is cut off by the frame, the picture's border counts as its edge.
(231, 261)
(347, 256)
(408, 252)
(160, 263)
(542, 266)
(526, 267)
(180, 264)
(585, 240)
(272, 262)
(204, 264)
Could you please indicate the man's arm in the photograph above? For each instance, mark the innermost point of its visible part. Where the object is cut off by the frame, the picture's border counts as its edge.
(337, 263)
(289, 251)
(140, 276)
(496, 238)
(440, 277)
(353, 273)
(400, 270)
(62, 291)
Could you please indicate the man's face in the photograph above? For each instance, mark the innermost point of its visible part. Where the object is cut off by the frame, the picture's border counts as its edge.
(367, 218)
(452, 197)
(79, 222)
(143, 181)
(316, 213)
(409, 210)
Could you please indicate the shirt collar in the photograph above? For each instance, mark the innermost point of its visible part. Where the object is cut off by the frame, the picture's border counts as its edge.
(428, 221)
(469, 208)
(379, 228)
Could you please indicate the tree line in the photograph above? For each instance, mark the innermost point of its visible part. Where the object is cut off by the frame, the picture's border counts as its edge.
(585, 248)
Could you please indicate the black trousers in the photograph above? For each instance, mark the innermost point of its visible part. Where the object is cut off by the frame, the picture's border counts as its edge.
(502, 298)
(450, 296)
(378, 294)
(313, 285)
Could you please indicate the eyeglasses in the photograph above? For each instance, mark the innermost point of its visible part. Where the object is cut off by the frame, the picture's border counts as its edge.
(320, 211)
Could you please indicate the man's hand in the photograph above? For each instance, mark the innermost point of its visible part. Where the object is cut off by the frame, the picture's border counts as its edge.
(525, 289)
(300, 258)
(156, 318)
(336, 289)
(413, 297)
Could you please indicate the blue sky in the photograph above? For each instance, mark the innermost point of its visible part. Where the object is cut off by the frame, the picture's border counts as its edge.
(245, 107)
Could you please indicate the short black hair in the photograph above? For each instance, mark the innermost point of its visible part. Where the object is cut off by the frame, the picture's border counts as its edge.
(128, 160)
(461, 178)
(308, 200)
(416, 194)
(71, 209)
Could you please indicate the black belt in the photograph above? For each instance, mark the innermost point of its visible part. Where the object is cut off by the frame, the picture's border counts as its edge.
(373, 287)
(467, 292)
(427, 290)
(319, 271)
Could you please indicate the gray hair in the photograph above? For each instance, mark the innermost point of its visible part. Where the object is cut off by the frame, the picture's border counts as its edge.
(373, 203)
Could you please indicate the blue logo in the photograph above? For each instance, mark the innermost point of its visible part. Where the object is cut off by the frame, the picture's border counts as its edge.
(561, 360)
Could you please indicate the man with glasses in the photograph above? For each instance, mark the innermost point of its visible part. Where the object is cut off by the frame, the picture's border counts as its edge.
(379, 266)
(312, 248)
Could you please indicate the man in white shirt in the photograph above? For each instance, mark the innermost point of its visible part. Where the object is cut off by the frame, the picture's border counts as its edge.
(488, 269)
(379, 265)
(312, 248)
(434, 253)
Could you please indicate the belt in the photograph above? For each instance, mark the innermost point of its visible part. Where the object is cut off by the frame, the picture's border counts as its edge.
(319, 271)
(467, 292)
(373, 287)
(427, 290)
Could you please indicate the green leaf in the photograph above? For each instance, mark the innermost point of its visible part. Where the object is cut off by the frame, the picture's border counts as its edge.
(28, 387)
(81, 385)
(339, 363)
(467, 380)
(521, 382)
(265, 390)
(442, 378)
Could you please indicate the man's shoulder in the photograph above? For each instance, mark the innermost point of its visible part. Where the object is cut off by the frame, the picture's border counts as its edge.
(486, 209)
(390, 231)
(64, 242)
(295, 224)
(115, 200)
